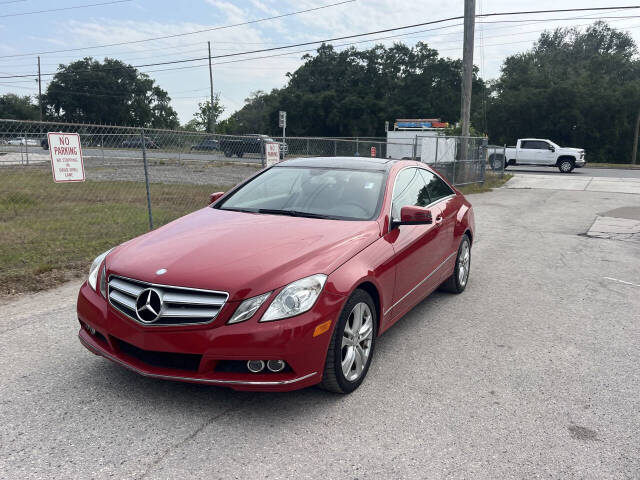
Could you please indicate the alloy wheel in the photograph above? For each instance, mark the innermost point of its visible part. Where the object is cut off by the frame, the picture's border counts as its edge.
(357, 341)
(464, 264)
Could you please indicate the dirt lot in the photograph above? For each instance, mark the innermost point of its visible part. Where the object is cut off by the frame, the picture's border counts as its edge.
(531, 372)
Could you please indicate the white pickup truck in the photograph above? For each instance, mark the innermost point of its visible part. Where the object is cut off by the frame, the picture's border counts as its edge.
(536, 151)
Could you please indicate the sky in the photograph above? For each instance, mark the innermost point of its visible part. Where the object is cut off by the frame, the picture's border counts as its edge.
(24, 34)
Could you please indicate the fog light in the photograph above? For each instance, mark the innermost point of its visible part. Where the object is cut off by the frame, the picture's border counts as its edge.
(255, 366)
(276, 366)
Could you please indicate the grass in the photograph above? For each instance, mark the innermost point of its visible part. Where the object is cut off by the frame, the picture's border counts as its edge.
(49, 232)
(52, 233)
(491, 181)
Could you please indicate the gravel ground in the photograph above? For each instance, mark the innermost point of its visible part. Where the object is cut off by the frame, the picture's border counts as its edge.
(163, 171)
(531, 372)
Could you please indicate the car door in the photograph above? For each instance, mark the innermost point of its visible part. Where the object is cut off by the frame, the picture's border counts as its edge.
(447, 203)
(546, 156)
(527, 153)
(417, 252)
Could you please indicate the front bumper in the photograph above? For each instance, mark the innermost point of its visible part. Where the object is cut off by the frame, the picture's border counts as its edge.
(104, 331)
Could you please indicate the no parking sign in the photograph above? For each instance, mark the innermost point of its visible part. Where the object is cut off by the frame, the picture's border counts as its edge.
(66, 157)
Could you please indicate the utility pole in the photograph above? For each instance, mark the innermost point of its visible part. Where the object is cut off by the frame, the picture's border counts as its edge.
(212, 127)
(634, 155)
(467, 64)
(39, 89)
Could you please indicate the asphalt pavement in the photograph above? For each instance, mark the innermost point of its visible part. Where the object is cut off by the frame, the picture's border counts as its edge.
(531, 372)
(578, 172)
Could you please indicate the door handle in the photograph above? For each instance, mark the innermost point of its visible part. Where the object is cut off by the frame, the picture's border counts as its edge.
(439, 219)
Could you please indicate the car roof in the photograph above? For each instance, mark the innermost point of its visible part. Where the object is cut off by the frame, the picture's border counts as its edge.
(355, 163)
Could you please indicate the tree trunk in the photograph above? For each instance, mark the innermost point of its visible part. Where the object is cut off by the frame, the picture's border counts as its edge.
(634, 155)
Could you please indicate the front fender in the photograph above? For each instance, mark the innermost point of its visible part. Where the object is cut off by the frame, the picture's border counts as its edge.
(372, 265)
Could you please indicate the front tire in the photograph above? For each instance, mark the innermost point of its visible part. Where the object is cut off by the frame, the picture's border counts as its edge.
(352, 345)
(566, 165)
(457, 282)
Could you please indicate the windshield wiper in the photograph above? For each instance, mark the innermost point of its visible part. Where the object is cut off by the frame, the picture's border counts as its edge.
(292, 213)
(247, 210)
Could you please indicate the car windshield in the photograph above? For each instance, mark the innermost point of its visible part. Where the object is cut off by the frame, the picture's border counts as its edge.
(311, 192)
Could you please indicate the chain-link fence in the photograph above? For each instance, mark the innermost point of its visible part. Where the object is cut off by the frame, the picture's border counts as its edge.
(138, 179)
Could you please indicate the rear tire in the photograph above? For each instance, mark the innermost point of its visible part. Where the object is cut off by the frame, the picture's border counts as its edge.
(352, 345)
(227, 154)
(458, 280)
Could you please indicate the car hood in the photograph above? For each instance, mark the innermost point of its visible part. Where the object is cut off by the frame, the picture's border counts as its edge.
(571, 149)
(245, 254)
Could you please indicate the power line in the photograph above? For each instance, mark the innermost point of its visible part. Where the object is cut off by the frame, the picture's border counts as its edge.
(250, 22)
(63, 8)
(432, 22)
(405, 35)
(183, 48)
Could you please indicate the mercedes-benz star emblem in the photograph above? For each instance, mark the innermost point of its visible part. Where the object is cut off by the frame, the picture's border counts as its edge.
(148, 305)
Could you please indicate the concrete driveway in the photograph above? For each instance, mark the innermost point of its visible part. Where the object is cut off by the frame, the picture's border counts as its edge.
(578, 172)
(531, 372)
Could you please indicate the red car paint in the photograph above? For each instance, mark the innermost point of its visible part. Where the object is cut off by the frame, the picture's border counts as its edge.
(247, 254)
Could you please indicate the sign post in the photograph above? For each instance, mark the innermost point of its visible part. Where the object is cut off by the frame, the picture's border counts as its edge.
(272, 153)
(66, 157)
(282, 122)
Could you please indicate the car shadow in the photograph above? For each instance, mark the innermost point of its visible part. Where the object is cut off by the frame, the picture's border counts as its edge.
(180, 398)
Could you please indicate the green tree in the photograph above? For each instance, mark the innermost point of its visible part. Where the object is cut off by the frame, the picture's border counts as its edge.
(89, 91)
(205, 113)
(353, 92)
(577, 88)
(18, 107)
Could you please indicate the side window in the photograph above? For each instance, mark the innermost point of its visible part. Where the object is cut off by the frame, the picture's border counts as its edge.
(409, 189)
(436, 187)
(527, 145)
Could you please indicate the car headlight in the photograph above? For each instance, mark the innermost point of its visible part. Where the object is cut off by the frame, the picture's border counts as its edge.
(295, 298)
(95, 269)
(247, 308)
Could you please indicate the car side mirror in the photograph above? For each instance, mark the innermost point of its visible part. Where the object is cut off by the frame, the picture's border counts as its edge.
(552, 148)
(411, 215)
(215, 196)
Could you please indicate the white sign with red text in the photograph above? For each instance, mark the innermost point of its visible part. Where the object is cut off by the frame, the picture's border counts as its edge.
(272, 153)
(66, 157)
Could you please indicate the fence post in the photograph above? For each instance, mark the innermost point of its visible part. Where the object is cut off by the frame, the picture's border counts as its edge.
(102, 145)
(26, 147)
(415, 148)
(485, 156)
(307, 146)
(453, 170)
(435, 163)
(263, 157)
(335, 148)
(146, 178)
(504, 159)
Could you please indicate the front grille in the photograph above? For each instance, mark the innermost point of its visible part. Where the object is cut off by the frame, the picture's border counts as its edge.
(178, 361)
(171, 306)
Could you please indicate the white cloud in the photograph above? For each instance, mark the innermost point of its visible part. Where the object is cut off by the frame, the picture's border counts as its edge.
(236, 80)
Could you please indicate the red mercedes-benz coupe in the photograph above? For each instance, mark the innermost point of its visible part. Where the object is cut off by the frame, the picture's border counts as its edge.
(283, 282)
